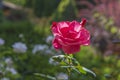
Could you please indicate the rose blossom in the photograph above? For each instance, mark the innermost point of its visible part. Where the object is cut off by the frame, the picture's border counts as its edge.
(69, 36)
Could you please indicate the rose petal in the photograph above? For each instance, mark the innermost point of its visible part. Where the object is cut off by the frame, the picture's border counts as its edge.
(83, 22)
(64, 31)
(68, 34)
(74, 25)
(63, 24)
(56, 44)
(71, 49)
(86, 43)
(54, 29)
(84, 36)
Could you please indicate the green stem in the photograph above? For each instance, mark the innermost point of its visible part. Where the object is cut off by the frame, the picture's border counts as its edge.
(70, 64)
(69, 73)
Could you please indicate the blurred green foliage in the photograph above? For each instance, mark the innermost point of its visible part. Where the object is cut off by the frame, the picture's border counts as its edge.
(18, 2)
(59, 9)
(66, 10)
(1, 16)
(107, 24)
(15, 27)
(42, 7)
(106, 68)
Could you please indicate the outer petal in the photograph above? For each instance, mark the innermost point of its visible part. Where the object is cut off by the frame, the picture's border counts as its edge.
(63, 24)
(54, 28)
(86, 42)
(63, 27)
(56, 44)
(71, 49)
(84, 37)
(83, 22)
(75, 26)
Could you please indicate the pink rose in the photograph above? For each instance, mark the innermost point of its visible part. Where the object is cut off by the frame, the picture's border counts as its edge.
(69, 36)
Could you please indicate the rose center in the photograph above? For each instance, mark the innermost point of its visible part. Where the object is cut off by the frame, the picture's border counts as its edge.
(67, 33)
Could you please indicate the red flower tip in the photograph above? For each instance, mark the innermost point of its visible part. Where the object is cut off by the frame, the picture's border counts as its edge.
(83, 22)
(54, 23)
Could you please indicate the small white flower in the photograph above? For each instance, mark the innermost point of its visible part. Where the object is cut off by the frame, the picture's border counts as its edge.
(62, 76)
(5, 78)
(39, 47)
(49, 52)
(19, 47)
(49, 39)
(12, 70)
(9, 62)
(2, 42)
(21, 35)
(1, 65)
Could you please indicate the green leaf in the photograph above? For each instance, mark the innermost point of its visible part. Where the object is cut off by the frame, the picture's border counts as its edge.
(77, 70)
(43, 75)
(87, 70)
(75, 62)
(72, 67)
(71, 55)
(67, 66)
(80, 68)
(63, 63)
(58, 58)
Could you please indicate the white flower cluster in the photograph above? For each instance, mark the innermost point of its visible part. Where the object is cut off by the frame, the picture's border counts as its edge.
(5, 78)
(7, 67)
(62, 76)
(19, 47)
(12, 70)
(9, 62)
(10, 67)
(2, 41)
(39, 47)
(49, 39)
(43, 48)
